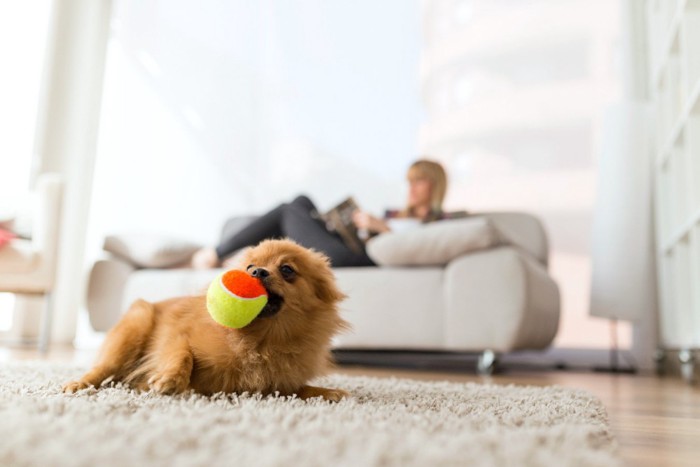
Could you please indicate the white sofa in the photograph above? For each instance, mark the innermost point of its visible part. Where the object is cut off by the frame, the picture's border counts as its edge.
(491, 301)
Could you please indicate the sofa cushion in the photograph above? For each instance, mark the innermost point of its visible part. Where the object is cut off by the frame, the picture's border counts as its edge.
(433, 244)
(5, 236)
(150, 250)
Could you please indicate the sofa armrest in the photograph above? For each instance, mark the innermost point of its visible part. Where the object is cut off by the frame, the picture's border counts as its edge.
(106, 286)
(523, 231)
(500, 299)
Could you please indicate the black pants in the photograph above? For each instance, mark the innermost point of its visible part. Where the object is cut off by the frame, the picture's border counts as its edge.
(299, 221)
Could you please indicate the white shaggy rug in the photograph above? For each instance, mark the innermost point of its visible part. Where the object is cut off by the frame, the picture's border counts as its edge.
(388, 422)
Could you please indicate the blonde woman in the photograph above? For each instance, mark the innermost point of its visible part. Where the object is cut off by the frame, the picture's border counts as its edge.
(300, 221)
(427, 183)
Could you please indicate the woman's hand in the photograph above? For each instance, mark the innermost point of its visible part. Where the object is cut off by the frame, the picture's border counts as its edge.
(365, 221)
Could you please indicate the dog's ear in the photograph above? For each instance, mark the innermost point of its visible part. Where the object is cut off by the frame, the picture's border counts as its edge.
(327, 291)
(324, 282)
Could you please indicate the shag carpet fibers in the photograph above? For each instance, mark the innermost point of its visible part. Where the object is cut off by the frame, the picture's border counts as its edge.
(387, 422)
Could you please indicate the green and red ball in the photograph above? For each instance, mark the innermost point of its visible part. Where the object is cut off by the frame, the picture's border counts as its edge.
(235, 299)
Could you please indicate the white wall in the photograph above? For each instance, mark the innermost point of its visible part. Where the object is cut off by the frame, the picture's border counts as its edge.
(218, 108)
(66, 138)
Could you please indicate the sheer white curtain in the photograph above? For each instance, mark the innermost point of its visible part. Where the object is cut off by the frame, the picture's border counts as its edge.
(514, 93)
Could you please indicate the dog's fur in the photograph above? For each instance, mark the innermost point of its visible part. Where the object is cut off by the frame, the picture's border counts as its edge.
(174, 345)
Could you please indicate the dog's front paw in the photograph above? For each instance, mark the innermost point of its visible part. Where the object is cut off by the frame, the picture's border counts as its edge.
(75, 386)
(168, 383)
(335, 395)
(330, 395)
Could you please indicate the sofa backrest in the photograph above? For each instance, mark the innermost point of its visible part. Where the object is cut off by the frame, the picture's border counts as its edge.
(520, 229)
(234, 225)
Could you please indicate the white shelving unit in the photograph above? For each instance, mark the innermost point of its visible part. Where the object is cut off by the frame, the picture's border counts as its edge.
(674, 52)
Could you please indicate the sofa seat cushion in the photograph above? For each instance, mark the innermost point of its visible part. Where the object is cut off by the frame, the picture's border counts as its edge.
(434, 244)
(392, 308)
(154, 285)
(381, 312)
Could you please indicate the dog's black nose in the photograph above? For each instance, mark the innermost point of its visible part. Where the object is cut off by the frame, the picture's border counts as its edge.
(260, 273)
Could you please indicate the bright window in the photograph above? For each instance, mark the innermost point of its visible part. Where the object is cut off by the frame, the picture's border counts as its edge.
(23, 29)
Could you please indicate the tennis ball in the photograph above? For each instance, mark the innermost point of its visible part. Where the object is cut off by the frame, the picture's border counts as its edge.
(234, 299)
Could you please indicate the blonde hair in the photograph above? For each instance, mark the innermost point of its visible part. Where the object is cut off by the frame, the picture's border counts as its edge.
(436, 175)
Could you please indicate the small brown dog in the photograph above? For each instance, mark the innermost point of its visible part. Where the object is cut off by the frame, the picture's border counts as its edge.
(174, 345)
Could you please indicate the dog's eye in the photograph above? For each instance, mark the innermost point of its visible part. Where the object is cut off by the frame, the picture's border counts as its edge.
(248, 268)
(287, 271)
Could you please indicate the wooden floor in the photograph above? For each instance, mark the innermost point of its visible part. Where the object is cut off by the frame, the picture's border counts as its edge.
(656, 420)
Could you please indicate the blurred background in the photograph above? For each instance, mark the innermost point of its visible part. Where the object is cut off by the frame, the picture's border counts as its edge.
(209, 109)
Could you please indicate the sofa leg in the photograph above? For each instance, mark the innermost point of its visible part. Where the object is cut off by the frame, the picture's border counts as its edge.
(488, 359)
